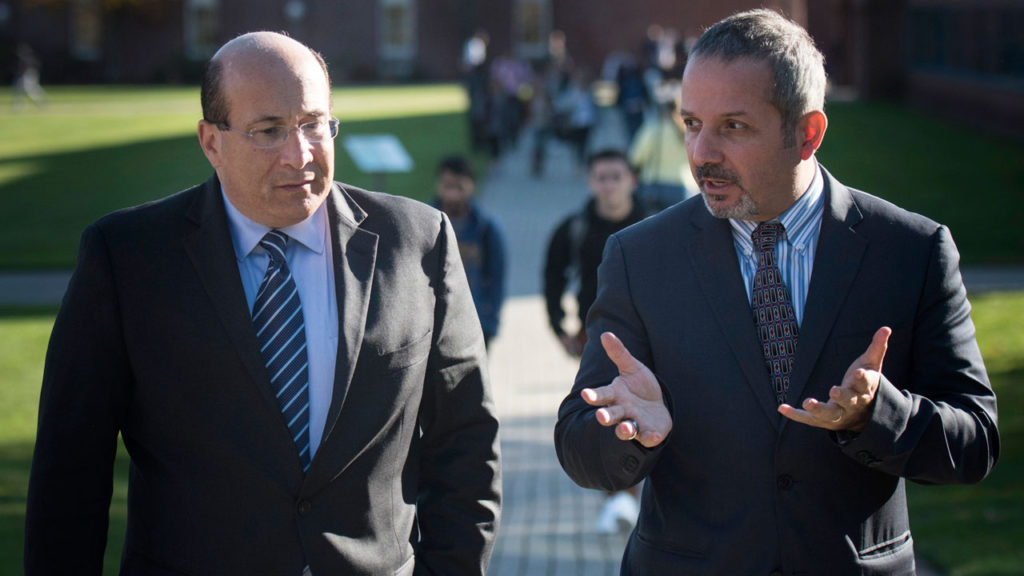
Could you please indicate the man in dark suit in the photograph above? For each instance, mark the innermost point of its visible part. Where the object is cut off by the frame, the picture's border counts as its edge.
(751, 393)
(295, 365)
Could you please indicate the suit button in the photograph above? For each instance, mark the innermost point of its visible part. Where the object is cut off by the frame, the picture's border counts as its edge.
(784, 482)
(304, 507)
(864, 456)
(630, 464)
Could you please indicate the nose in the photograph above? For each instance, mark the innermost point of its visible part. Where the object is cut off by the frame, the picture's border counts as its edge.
(703, 148)
(296, 152)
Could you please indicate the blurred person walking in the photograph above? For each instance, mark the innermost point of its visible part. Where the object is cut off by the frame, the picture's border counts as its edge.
(481, 242)
(574, 253)
(659, 154)
(26, 80)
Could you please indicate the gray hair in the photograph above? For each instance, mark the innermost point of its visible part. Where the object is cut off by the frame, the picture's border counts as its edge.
(798, 67)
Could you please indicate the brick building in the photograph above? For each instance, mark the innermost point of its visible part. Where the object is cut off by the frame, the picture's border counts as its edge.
(941, 55)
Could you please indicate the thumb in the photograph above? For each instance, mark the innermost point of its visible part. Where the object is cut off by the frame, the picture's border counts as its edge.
(618, 354)
(875, 353)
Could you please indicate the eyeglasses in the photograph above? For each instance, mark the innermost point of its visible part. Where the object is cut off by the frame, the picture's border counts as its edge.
(274, 136)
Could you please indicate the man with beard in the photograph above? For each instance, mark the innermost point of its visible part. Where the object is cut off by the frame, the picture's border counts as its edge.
(736, 345)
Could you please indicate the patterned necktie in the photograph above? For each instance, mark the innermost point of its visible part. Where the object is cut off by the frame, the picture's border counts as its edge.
(773, 310)
(277, 315)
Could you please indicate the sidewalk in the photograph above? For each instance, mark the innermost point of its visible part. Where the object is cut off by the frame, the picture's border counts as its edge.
(548, 522)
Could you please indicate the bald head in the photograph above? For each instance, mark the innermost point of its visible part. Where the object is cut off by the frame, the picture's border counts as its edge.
(252, 53)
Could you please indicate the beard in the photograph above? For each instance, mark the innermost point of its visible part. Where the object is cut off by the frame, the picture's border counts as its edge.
(743, 209)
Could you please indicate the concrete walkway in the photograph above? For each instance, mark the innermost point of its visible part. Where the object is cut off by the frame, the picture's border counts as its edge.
(548, 523)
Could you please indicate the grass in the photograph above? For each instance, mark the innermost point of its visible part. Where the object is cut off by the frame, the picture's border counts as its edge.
(967, 181)
(93, 150)
(977, 530)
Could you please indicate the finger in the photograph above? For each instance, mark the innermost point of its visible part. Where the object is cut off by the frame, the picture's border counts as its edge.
(610, 415)
(627, 430)
(650, 439)
(829, 412)
(844, 395)
(598, 396)
(876, 350)
(618, 354)
(797, 415)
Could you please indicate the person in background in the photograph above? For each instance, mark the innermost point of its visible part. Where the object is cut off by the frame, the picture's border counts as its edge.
(481, 242)
(575, 250)
(475, 69)
(775, 414)
(659, 153)
(26, 80)
(293, 364)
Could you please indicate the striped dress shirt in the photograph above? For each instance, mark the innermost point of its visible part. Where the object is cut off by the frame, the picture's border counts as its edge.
(795, 250)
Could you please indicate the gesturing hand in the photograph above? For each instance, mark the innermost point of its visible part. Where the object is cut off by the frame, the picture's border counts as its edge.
(633, 402)
(849, 404)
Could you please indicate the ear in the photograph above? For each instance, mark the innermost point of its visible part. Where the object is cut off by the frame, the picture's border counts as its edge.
(812, 131)
(210, 142)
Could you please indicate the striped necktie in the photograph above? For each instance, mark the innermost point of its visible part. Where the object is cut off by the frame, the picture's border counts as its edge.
(277, 316)
(773, 310)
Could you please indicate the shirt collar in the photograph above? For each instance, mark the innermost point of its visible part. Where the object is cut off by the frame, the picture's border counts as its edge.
(800, 220)
(246, 234)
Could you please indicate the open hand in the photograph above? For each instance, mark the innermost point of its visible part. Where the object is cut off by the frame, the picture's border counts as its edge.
(849, 405)
(633, 402)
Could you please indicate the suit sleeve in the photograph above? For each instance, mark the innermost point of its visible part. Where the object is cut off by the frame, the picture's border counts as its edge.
(85, 378)
(459, 496)
(940, 426)
(590, 453)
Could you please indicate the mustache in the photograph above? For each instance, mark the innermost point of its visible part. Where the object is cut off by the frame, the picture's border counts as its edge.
(715, 172)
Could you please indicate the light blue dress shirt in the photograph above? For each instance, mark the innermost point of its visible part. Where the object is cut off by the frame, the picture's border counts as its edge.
(312, 266)
(795, 251)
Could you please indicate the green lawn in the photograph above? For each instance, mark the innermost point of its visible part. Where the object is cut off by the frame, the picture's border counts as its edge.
(972, 183)
(93, 150)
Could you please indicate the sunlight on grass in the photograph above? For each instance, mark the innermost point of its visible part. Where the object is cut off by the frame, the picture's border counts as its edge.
(95, 149)
(80, 118)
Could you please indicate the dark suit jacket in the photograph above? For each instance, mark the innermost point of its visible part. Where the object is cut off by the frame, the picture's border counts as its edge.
(736, 488)
(154, 341)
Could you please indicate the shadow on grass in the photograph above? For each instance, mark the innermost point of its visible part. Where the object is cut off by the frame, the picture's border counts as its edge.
(49, 199)
(977, 529)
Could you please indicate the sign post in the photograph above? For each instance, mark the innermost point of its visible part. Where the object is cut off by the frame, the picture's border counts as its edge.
(378, 155)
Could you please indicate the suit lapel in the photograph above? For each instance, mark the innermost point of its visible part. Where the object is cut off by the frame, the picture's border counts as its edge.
(713, 254)
(211, 251)
(355, 255)
(831, 280)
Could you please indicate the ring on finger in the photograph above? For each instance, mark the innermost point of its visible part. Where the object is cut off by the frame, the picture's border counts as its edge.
(636, 429)
(841, 415)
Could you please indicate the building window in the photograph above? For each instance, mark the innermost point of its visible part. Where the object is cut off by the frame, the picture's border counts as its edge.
(531, 27)
(86, 29)
(397, 37)
(200, 28)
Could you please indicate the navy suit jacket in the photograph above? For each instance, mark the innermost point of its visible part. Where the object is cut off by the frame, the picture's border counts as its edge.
(736, 488)
(154, 342)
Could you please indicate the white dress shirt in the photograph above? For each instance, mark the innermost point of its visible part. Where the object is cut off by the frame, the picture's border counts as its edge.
(312, 266)
(795, 250)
